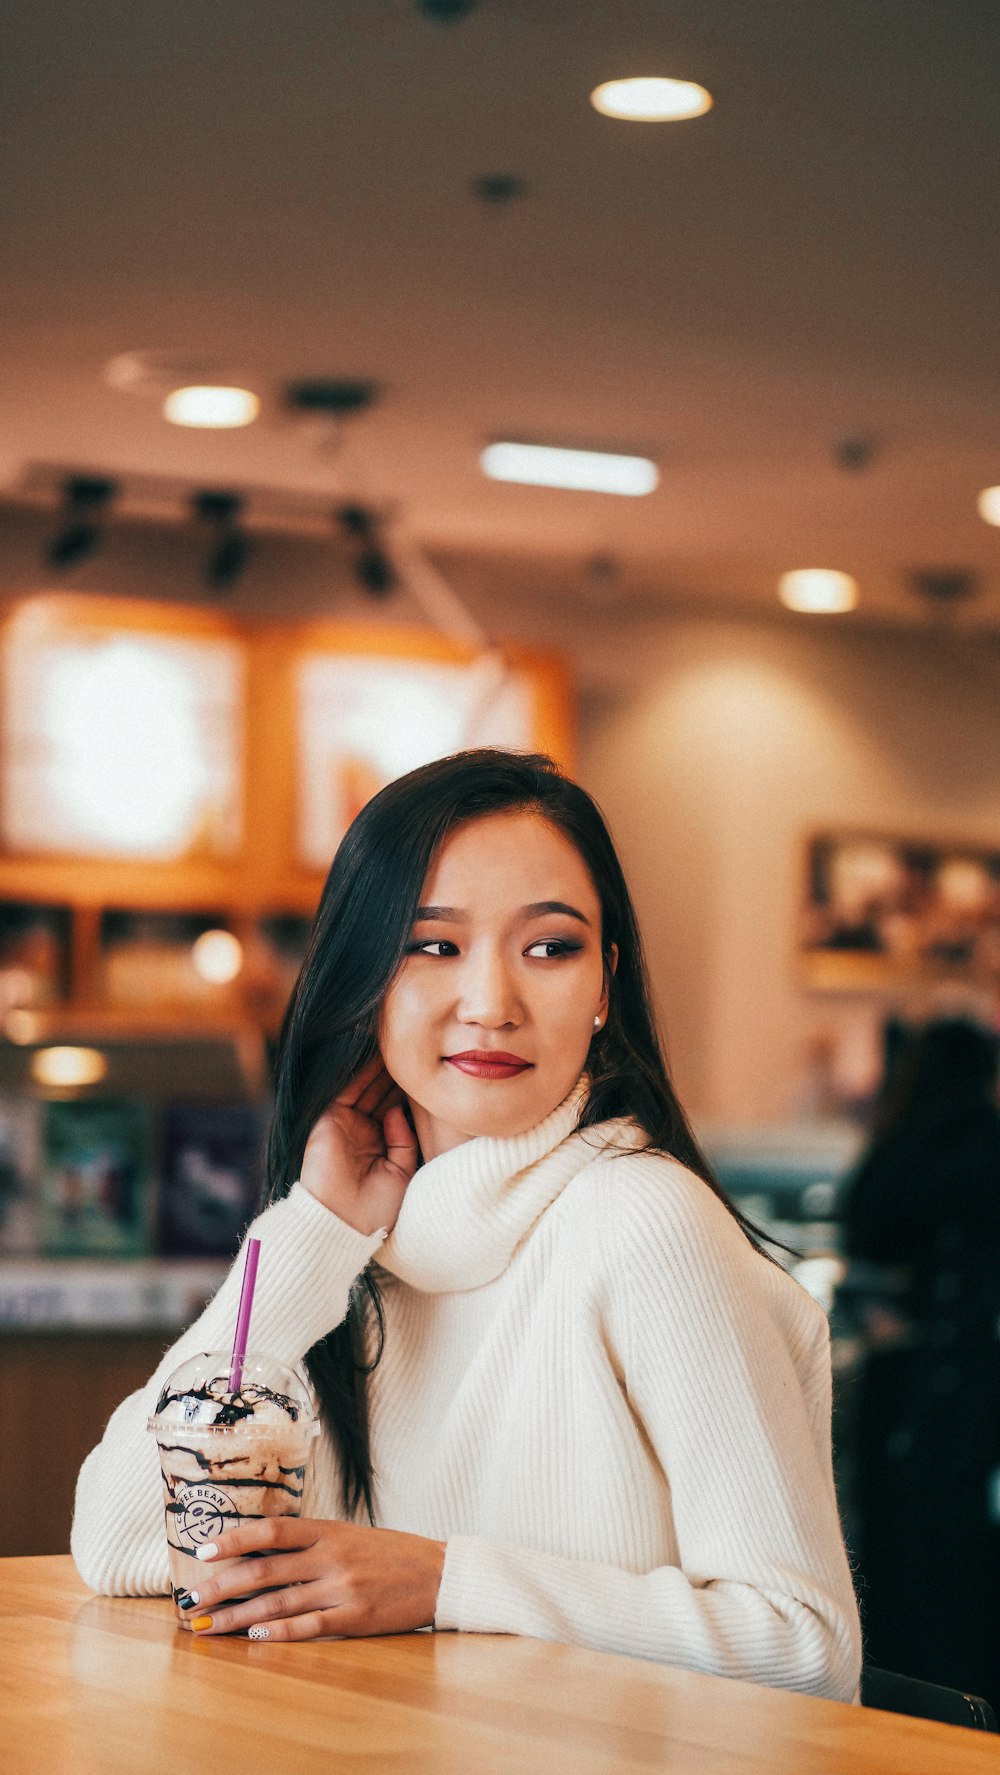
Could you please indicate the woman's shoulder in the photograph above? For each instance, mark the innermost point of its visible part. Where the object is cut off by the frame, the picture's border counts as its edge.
(645, 1213)
(630, 1190)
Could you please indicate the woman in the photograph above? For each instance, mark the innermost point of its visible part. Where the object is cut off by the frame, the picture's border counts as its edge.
(563, 1393)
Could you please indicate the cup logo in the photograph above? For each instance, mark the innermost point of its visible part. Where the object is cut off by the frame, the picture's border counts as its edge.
(201, 1514)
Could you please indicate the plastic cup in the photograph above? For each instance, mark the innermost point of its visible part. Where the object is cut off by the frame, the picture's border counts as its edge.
(227, 1456)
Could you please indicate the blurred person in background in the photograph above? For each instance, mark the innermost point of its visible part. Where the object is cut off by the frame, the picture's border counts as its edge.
(922, 1236)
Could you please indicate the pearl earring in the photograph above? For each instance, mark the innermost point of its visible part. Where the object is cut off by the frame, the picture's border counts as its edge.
(597, 1023)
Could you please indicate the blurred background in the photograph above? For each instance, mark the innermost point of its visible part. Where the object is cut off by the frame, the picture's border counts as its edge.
(385, 377)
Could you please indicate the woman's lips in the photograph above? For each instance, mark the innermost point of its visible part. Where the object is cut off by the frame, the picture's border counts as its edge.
(489, 1066)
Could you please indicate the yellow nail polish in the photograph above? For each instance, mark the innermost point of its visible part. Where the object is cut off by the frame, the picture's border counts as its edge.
(200, 1623)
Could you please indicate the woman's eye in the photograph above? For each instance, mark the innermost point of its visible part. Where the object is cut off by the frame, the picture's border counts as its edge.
(432, 946)
(551, 947)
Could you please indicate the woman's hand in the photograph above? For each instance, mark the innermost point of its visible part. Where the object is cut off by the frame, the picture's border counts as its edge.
(362, 1152)
(318, 1578)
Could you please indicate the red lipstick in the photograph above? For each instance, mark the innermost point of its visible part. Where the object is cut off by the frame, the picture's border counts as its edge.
(485, 1063)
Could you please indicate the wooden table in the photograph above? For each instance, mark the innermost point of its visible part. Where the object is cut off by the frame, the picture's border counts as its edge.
(94, 1686)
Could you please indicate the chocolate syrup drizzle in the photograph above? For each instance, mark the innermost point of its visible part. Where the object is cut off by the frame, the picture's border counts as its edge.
(234, 1408)
(230, 1482)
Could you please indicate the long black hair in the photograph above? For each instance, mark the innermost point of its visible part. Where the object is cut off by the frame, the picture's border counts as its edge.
(357, 943)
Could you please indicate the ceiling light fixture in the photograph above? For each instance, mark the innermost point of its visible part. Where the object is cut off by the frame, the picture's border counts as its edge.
(373, 565)
(67, 1068)
(819, 591)
(581, 471)
(942, 588)
(217, 957)
(499, 189)
(855, 452)
(85, 501)
(446, 11)
(988, 505)
(219, 513)
(651, 99)
(324, 403)
(333, 397)
(208, 408)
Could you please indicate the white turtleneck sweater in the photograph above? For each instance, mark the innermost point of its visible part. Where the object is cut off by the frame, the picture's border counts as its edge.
(610, 1406)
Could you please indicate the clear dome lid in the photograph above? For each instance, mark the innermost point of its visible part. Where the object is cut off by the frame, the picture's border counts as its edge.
(198, 1397)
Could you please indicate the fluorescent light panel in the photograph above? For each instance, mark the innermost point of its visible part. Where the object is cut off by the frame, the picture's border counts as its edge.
(217, 409)
(820, 591)
(651, 99)
(584, 471)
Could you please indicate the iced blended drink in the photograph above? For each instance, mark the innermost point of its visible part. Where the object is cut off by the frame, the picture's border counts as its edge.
(227, 1455)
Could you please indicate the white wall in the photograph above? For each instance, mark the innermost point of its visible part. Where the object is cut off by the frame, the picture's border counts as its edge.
(723, 746)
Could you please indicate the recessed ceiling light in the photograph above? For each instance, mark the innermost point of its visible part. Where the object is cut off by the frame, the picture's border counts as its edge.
(215, 408)
(651, 99)
(584, 471)
(988, 505)
(217, 956)
(68, 1066)
(818, 590)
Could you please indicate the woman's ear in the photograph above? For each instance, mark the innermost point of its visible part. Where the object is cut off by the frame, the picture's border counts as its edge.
(610, 967)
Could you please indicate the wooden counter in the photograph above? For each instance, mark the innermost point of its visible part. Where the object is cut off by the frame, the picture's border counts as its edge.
(92, 1686)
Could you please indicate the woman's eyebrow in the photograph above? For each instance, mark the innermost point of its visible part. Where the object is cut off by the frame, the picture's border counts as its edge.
(454, 915)
(537, 907)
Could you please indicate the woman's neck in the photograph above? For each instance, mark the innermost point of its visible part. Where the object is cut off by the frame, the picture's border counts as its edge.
(435, 1137)
(469, 1206)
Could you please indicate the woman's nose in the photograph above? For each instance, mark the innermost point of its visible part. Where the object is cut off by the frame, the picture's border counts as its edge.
(488, 994)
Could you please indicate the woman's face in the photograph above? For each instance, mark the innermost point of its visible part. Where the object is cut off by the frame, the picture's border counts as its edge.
(487, 1024)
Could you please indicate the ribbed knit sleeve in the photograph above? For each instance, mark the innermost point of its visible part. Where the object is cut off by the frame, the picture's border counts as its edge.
(726, 1369)
(308, 1261)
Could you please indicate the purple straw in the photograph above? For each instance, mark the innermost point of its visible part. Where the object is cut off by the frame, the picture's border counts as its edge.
(243, 1316)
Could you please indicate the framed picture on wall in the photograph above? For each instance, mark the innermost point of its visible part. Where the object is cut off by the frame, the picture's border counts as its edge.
(210, 1175)
(96, 1179)
(879, 910)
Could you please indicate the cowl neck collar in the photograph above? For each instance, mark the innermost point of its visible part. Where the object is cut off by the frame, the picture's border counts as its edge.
(466, 1211)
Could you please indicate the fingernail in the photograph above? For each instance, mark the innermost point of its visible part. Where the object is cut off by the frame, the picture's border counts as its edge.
(209, 1551)
(188, 1599)
(200, 1623)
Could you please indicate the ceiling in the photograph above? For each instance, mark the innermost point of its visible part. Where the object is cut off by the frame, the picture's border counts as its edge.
(287, 190)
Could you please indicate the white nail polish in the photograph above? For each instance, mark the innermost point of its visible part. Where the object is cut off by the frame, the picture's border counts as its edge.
(209, 1551)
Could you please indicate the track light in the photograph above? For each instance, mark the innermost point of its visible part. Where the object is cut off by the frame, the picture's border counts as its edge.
(230, 546)
(373, 566)
(85, 499)
(375, 572)
(358, 522)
